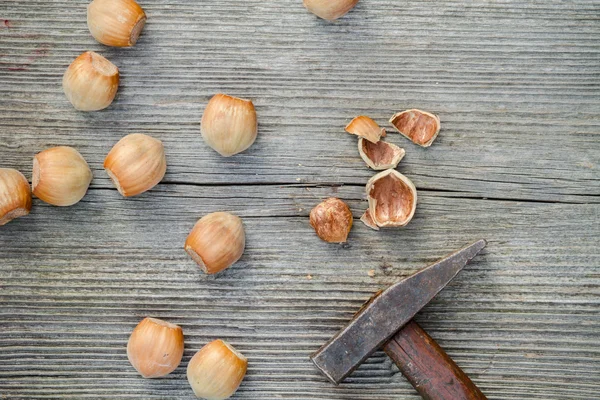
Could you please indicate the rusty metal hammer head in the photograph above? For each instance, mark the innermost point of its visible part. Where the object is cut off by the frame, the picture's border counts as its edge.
(386, 313)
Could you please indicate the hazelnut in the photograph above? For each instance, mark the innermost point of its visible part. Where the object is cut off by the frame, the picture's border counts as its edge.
(229, 124)
(136, 164)
(329, 9)
(115, 22)
(216, 241)
(91, 82)
(61, 176)
(155, 347)
(332, 220)
(15, 195)
(216, 371)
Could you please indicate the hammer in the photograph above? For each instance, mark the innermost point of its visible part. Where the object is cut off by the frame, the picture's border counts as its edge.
(385, 321)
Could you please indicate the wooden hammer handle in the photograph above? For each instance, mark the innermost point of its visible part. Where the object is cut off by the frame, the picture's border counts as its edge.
(428, 368)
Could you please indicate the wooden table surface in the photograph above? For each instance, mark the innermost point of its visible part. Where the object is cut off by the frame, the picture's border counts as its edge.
(517, 87)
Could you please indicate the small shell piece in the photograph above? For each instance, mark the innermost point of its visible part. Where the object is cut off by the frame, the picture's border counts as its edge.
(91, 82)
(332, 220)
(115, 22)
(329, 9)
(15, 195)
(419, 126)
(136, 164)
(392, 199)
(381, 155)
(365, 127)
(61, 176)
(368, 220)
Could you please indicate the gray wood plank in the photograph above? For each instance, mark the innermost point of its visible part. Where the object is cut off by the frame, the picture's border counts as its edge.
(517, 87)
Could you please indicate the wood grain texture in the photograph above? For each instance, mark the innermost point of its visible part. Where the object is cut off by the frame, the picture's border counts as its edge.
(517, 87)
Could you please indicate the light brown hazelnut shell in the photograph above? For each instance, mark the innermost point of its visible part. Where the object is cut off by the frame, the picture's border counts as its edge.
(115, 23)
(392, 199)
(136, 164)
(216, 241)
(91, 82)
(60, 176)
(381, 155)
(418, 126)
(15, 195)
(330, 9)
(229, 124)
(155, 347)
(216, 371)
(365, 127)
(368, 220)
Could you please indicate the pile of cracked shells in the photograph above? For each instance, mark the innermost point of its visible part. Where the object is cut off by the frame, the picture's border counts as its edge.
(392, 196)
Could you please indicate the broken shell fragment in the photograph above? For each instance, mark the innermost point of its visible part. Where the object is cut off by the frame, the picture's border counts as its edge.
(419, 126)
(381, 155)
(365, 127)
(332, 220)
(392, 199)
(368, 220)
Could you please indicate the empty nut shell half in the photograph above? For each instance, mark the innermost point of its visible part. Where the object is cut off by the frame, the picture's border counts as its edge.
(329, 9)
(15, 195)
(332, 220)
(392, 199)
(419, 126)
(365, 127)
(136, 164)
(368, 220)
(381, 155)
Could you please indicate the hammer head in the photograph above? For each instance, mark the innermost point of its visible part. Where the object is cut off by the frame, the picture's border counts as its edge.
(386, 313)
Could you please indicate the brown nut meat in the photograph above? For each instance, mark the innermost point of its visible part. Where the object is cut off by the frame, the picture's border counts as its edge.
(368, 220)
(392, 199)
(363, 126)
(419, 126)
(332, 220)
(381, 155)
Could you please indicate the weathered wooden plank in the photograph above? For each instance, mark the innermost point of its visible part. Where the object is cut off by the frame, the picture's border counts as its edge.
(517, 87)
(522, 319)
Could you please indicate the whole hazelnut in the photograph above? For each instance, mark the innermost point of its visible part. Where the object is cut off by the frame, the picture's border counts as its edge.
(332, 220)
